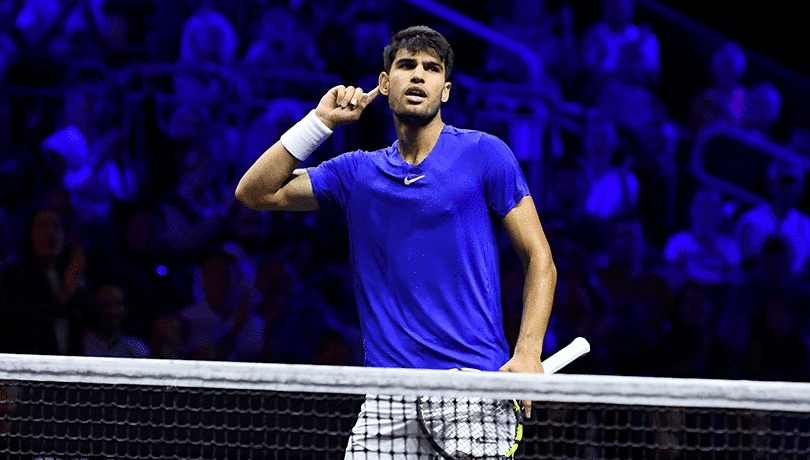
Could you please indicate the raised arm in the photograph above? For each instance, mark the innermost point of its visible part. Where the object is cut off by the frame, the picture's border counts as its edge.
(265, 187)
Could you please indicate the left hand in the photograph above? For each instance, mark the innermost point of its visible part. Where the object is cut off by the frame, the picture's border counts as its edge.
(525, 363)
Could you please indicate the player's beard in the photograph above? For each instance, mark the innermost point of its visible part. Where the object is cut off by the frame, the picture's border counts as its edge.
(417, 119)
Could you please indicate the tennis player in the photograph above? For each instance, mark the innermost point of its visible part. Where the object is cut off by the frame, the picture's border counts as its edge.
(424, 215)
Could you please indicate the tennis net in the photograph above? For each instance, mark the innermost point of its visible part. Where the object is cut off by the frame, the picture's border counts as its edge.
(107, 408)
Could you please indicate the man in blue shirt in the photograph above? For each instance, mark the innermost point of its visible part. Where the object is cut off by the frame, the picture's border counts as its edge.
(423, 218)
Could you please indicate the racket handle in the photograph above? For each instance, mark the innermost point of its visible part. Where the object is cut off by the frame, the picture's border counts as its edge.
(570, 352)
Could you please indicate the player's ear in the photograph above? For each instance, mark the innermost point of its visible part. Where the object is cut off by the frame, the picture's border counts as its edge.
(446, 91)
(383, 82)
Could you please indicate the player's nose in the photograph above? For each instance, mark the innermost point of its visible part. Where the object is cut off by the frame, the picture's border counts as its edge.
(418, 75)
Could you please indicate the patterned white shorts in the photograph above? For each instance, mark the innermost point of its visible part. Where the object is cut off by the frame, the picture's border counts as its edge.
(388, 429)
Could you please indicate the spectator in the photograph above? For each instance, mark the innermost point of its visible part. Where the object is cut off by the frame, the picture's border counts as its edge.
(265, 129)
(43, 297)
(107, 337)
(692, 348)
(146, 273)
(64, 29)
(701, 253)
(126, 34)
(603, 42)
(657, 167)
(246, 240)
(208, 36)
(279, 291)
(724, 101)
(771, 273)
(332, 349)
(36, 19)
(778, 217)
(88, 160)
(86, 27)
(777, 350)
(168, 337)
(640, 299)
(585, 308)
(650, 138)
(625, 99)
(195, 212)
(763, 108)
(189, 122)
(222, 324)
(289, 312)
(549, 34)
(209, 43)
(565, 202)
(170, 19)
(612, 191)
(277, 37)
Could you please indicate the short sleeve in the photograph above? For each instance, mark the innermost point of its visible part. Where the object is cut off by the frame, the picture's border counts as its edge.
(332, 179)
(504, 182)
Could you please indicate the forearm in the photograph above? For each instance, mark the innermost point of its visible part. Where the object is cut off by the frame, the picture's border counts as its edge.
(538, 296)
(259, 187)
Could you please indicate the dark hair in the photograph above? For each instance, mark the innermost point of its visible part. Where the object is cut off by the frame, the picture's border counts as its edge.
(28, 254)
(419, 38)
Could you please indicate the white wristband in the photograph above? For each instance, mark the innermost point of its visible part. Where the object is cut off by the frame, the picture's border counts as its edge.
(305, 136)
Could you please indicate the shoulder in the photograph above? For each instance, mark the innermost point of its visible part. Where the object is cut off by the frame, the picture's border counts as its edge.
(483, 142)
(359, 157)
(468, 135)
(347, 165)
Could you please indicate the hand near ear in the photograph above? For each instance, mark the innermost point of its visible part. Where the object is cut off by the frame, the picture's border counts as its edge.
(343, 105)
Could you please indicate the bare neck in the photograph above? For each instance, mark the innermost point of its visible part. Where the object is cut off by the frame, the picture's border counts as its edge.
(416, 142)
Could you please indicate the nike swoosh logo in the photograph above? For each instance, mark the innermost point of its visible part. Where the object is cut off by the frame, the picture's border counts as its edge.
(409, 181)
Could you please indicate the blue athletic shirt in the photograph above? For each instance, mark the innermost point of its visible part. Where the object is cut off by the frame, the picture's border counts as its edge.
(423, 246)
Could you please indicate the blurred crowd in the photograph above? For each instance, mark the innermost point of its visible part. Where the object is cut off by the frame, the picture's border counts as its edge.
(125, 126)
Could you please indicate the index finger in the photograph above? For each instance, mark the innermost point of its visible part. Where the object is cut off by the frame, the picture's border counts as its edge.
(371, 95)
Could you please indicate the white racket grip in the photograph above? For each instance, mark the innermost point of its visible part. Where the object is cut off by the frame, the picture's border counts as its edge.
(570, 352)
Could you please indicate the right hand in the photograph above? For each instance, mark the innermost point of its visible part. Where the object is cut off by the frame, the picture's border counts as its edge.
(343, 105)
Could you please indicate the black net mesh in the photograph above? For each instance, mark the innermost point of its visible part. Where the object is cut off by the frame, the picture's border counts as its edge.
(91, 421)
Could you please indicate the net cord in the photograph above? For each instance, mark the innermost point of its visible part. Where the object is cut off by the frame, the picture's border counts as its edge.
(571, 388)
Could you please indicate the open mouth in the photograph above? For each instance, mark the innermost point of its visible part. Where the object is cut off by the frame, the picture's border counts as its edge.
(415, 94)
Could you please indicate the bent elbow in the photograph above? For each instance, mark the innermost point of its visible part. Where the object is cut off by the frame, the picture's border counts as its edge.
(255, 199)
(242, 195)
(248, 197)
